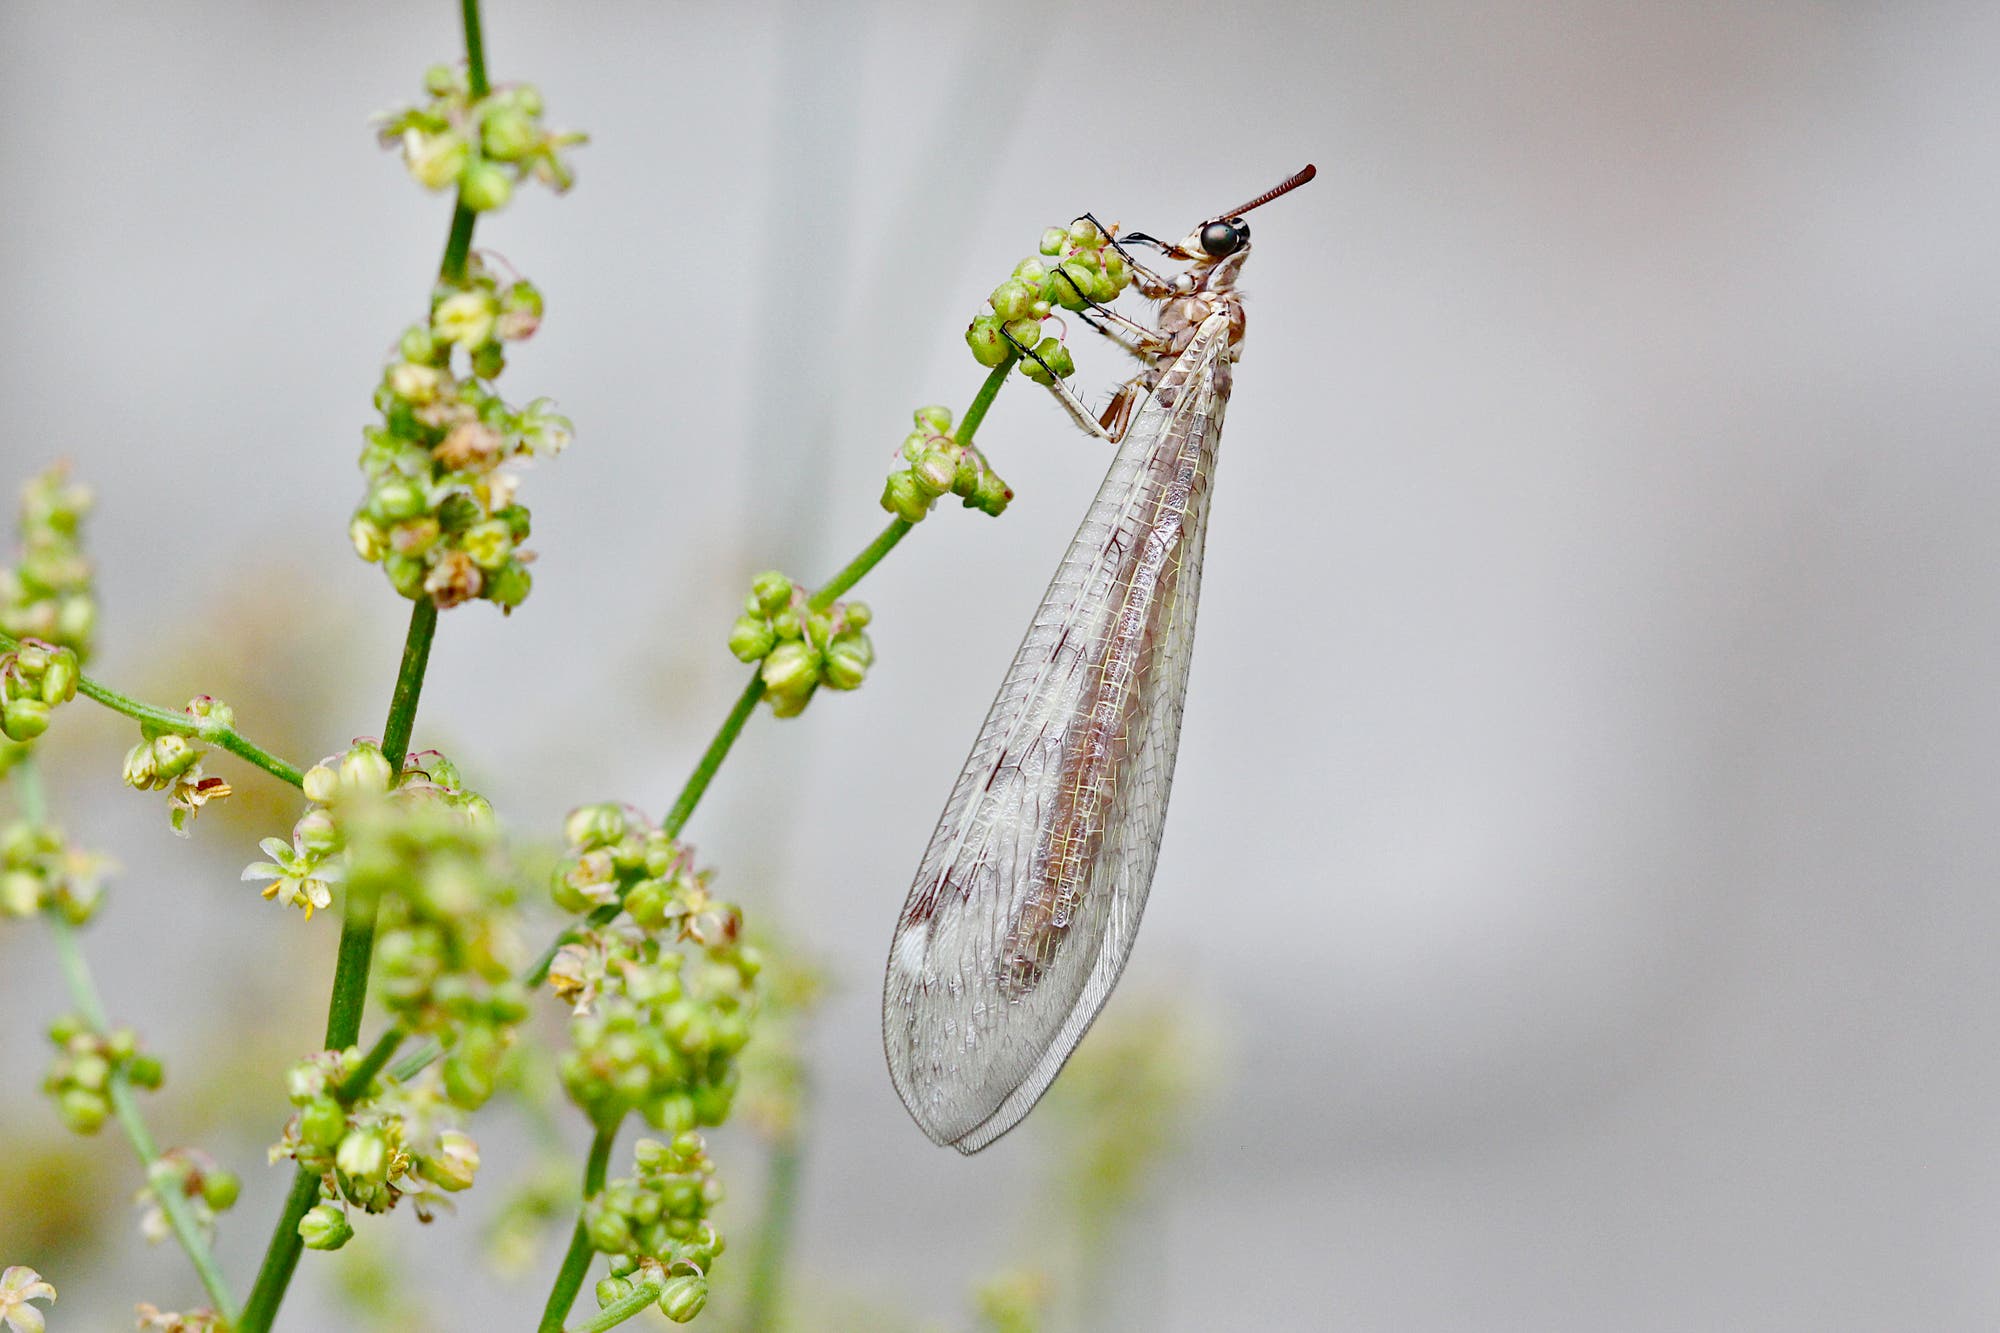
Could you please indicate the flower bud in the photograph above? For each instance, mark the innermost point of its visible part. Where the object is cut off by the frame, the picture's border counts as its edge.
(989, 349)
(934, 419)
(750, 638)
(1071, 285)
(903, 497)
(1011, 300)
(508, 586)
(219, 1190)
(1031, 271)
(1055, 356)
(683, 1297)
(325, 1227)
(145, 1071)
(1083, 234)
(937, 469)
(23, 719)
(364, 769)
(363, 1154)
(488, 360)
(611, 1290)
(591, 826)
(847, 661)
(443, 80)
(172, 756)
(790, 669)
(508, 134)
(772, 590)
(83, 1111)
(455, 1163)
(485, 187)
(1026, 332)
(1053, 240)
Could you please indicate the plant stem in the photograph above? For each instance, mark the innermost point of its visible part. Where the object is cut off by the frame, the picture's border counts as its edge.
(576, 1263)
(356, 1083)
(160, 1178)
(711, 759)
(774, 1236)
(180, 724)
(357, 927)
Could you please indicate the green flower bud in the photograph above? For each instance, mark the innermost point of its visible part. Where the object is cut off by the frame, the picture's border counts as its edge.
(989, 349)
(485, 187)
(322, 1123)
(325, 1227)
(750, 638)
(219, 1190)
(488, 360)
(1112, 276)
(1053, 240)
(520, 311)
(1011, 300)
(1031, 271)
(1071, 285)
(444, 80)
(934, 419)
(1057, 358)
(903, 497)
(59, 679)
(590, 826)
(786, 624)
(790, 669)
(772, 590)
(466, 1084)
(417, 345)
(508, 586)
(139, 768)
(23, 719)
(90, 1071)
(364, 1155)
(394, 500)
(172, 756)
(371, 539)
(684, 1297)
(455, 1163)
(848, 660)
(20, 893)
(608, 1231)
(611, 1290)
(509, 134)
(1026, 332)
(529, 99)
(406, 574)
(145, 1071)
(937, 469)
(83, 1111)
(858, 615)
(1083, 233)
(365, 769)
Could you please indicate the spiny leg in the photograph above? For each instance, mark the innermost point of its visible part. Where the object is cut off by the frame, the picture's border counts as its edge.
(1078, 411)
(1149, 283)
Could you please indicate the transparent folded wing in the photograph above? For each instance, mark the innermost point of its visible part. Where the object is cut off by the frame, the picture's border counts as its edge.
(976, 1025)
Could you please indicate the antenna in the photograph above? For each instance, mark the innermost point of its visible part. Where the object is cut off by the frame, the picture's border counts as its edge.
(1292, 182)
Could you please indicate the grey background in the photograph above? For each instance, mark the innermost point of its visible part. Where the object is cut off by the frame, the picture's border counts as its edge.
(1584, 834)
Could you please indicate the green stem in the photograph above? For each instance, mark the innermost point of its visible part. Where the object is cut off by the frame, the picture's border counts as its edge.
(161, 1178)
(711, 759)
(180, 724)
(576, 1263)
(857, 568)
(774, 1237)
(281, 1256)
(409, 682)
(625, 1307)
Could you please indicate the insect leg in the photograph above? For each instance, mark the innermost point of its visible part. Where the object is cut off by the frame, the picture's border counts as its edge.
(1065, 395)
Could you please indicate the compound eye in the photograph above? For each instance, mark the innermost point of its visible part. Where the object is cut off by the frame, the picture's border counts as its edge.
(1222, 238)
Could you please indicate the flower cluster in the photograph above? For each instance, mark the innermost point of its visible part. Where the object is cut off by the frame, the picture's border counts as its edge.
(440, 515)
(446, 948)
(483, 146)
(195, 1177)
(657, 1220)
(937, 464)
(1077, 268)
(34, 678)
(663, 994)
(395, 1142)
(48, 594)
(79, 1078)
(39, 871)
(801, 647)
(171, 762)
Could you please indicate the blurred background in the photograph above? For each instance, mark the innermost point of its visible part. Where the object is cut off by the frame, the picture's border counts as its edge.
(1578, 905)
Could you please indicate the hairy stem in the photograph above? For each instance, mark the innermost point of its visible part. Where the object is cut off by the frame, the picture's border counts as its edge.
(576, 1263)
(180, 724)
(160, 1176)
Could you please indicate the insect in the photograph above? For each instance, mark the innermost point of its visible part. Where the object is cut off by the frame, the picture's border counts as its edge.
(1026, 903)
